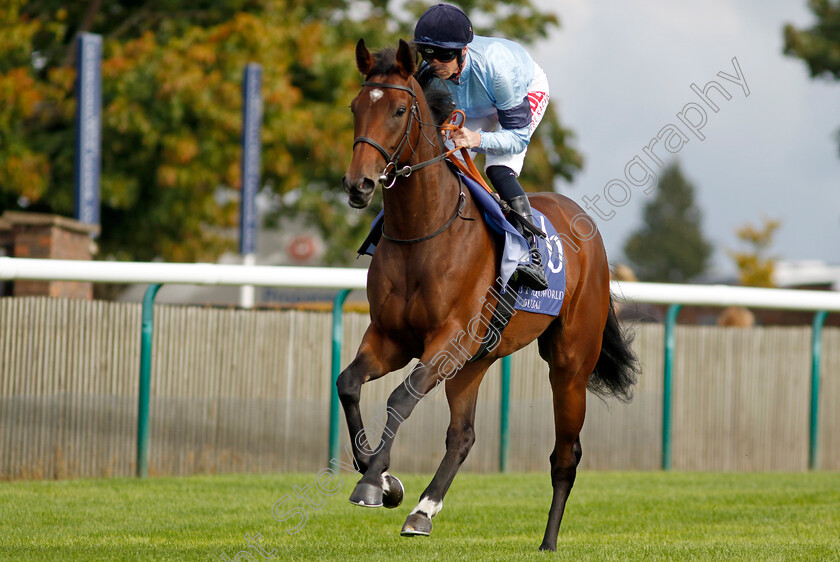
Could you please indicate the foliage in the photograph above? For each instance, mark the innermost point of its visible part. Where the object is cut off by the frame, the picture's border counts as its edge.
(755, 267)
(172, 73)
(818, 46)
(670, 246)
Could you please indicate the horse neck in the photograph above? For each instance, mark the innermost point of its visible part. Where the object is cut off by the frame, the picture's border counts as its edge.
(422, 202)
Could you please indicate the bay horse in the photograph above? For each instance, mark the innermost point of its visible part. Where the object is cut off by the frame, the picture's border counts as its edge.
(428, 280)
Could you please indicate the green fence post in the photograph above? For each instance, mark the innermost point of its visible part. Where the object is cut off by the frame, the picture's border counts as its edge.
(145, 381)
(337, 337)
(504, 415)
(816, 359)
(667, 373)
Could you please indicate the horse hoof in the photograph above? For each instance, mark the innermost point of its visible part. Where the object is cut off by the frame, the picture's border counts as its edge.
(394, 496)
(417, 525)
(366, 495)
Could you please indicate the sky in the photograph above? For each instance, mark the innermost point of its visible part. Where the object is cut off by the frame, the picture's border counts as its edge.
(621, 71)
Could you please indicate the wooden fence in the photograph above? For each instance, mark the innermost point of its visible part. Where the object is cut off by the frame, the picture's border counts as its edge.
(248, 391)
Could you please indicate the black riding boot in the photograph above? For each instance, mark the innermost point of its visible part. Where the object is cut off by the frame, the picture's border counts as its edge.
(530, 275)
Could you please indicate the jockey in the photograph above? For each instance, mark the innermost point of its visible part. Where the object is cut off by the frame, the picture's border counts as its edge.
(503, 94)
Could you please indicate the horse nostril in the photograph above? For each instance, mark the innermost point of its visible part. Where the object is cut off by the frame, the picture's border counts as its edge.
(349, 185)
(362, 185)
(359, 189)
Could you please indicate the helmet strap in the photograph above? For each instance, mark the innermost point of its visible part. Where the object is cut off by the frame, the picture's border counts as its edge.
(461, 60)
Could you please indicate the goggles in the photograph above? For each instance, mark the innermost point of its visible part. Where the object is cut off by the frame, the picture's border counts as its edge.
(438, 53)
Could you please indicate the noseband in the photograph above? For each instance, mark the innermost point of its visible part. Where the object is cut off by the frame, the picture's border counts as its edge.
(392, 158)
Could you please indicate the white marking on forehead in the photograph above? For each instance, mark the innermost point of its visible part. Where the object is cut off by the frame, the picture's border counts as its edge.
(375, 95)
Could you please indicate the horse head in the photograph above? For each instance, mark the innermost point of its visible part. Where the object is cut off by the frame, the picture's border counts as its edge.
(384, 113)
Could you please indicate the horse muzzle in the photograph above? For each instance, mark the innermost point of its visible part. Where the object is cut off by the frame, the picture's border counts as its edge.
(360, 191)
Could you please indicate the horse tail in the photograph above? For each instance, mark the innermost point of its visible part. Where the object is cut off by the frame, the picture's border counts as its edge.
(618, 367)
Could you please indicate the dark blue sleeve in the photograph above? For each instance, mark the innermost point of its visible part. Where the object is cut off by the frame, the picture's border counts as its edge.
(516, 117)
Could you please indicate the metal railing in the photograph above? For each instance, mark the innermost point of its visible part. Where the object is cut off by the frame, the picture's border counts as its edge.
(158, 274)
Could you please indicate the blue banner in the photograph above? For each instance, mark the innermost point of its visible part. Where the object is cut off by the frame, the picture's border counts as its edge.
(252, 109)
(88, 127)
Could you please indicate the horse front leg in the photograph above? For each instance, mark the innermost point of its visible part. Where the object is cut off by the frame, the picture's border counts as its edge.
(377, 356)
(461, 393)
(418, 384)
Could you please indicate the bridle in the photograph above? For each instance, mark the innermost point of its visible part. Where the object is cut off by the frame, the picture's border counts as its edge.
(393, 158)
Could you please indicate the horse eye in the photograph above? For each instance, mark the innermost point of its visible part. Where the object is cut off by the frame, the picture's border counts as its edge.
(400, 112)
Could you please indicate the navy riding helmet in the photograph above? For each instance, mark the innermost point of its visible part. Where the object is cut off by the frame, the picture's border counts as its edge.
(442, 32)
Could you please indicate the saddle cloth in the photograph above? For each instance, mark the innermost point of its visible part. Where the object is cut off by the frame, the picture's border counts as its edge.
(548, 301)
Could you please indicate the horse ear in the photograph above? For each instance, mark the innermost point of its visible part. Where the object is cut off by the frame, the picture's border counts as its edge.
(364, 60)
(406, 60)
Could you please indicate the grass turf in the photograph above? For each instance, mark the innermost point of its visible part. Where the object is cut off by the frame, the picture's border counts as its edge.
(610, 516)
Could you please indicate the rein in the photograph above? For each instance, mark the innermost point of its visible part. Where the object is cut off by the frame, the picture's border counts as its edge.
(467, 166)
(391, 160)
(462, 201)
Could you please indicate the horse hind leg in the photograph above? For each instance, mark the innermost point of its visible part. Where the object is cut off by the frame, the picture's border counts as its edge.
(461, 393)
(568, 374)
(578, 355)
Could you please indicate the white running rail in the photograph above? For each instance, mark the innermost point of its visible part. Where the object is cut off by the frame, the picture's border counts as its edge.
(347, 278)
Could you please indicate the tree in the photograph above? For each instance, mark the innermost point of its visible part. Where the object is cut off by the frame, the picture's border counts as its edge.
(755, 267)
(670, 246)
(818, 46)
(172, 118)
(172, 72)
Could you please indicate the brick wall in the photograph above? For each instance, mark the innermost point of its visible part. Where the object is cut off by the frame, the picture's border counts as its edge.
(42, 236)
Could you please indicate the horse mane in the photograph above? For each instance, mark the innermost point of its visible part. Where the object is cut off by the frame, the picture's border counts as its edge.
(438, 98)
(440, 102)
